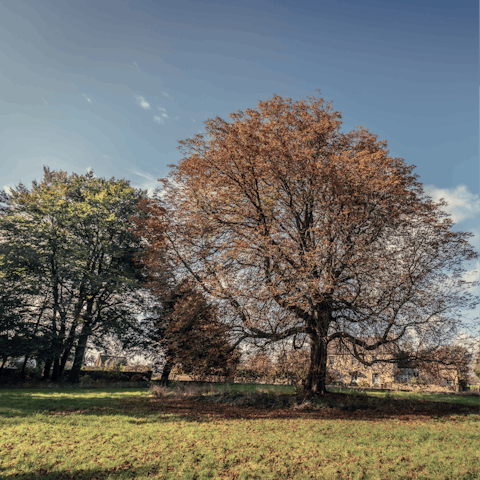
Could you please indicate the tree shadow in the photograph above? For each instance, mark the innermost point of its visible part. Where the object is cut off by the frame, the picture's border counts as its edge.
(125, 471)
(147, 409)
(339, 408)
(151, 410)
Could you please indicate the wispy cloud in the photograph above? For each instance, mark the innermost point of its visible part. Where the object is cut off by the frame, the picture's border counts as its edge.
(88, 169)
(462, 203)
(472, 275)
(166, 95)
(136, 64)
(142, 102)
(108, 157)
(475, 240)
(194, 121)
(163, 112)
(160, 119)
(145, 175)
(88, 99)
(150, 182)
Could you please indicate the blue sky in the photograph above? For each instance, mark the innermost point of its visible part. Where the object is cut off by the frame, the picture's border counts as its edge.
(113, 85)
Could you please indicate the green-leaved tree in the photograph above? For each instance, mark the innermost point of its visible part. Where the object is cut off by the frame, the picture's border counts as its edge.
(68, 242)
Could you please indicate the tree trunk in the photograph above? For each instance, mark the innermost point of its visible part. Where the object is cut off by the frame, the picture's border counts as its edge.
(46, 369)
(24, 366)
(68, 348)
(315, 383)
(164, 382)
(3, 363)
(60, 341)
(56, 370)
(63, 361)
(74, 375)
(73, 329)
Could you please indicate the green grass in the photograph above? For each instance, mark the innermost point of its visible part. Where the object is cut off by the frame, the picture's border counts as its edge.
(125, 434)
(430, 397)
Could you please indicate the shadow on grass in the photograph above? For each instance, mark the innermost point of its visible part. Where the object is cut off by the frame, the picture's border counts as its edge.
(336, 406)
(125, 472)
(142, 409)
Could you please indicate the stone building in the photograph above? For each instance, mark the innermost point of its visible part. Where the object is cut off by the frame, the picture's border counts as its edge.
(105, 361)
(347, 370)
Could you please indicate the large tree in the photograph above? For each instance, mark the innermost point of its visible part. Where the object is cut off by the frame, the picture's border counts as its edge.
(69, 238)
(302, 230)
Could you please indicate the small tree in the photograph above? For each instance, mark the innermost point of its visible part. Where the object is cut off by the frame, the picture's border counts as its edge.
(257, 365)
(190, 335)
(439, 363)
(185, 327)
(292, 364)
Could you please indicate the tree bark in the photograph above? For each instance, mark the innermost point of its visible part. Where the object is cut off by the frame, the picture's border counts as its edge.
(56, 370)
(74, 375)
(316, 381)
(24, 366)
(73, 329)
(68, 348)
(164, 382)
(64, 360)
(4, 361)
(46, 369)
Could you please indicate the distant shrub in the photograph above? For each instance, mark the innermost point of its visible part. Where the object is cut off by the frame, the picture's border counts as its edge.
(85, 379)
(113, 374)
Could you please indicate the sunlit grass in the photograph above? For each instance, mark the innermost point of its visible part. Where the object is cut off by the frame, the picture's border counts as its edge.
(24, 402)
(125, 434)
(430, 397)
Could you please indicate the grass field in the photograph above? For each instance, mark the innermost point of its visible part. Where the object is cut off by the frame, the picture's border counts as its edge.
(430, 397)
(129, 434)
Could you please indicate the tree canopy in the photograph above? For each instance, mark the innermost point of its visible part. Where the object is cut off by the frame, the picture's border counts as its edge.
(299, 230)
(68, 253)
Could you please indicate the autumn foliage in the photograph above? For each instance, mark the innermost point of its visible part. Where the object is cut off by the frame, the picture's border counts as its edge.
(190, 333)
(187, 329)
(299, 230)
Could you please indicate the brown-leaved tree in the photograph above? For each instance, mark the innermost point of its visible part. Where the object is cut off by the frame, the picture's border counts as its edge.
(301, 230)
(186, 330)
(191, 335)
